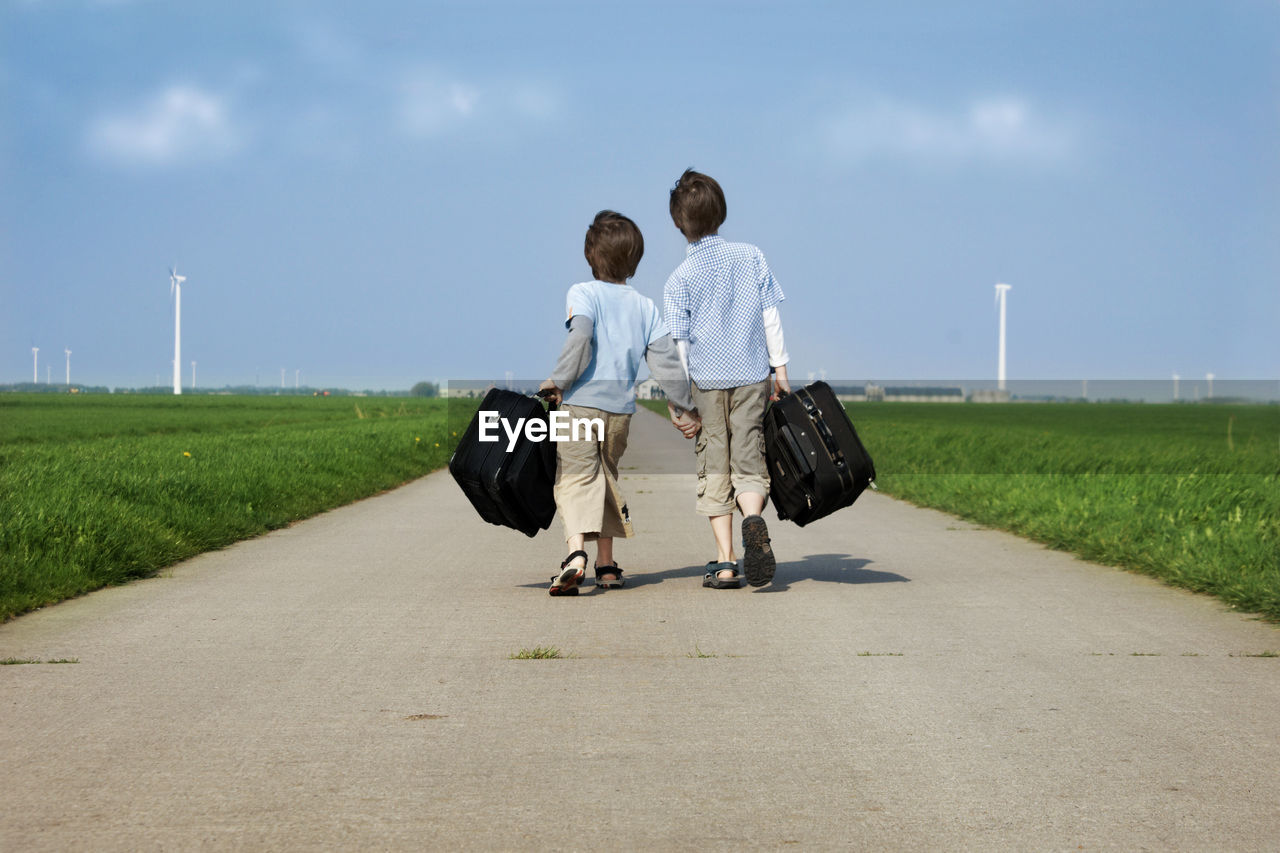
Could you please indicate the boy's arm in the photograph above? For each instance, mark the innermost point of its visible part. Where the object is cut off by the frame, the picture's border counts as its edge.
(682, 347)
(773, 338)
(675, 307)
(666, 369)
(778, 357)
(575, 356)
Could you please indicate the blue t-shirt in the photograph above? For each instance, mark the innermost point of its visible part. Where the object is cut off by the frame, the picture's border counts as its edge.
(626, 322)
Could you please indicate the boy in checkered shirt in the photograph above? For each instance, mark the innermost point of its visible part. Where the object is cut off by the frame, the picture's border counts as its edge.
(721, 306)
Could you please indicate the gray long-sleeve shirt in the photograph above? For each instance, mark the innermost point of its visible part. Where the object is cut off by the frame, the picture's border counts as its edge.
(661, 356)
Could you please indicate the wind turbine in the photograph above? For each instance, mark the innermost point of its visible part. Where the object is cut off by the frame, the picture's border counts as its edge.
(68, 366)
(1176, 377)
(35, 366)
(1208, 377)
(175, 288)
(1002, 292)
(193, 376)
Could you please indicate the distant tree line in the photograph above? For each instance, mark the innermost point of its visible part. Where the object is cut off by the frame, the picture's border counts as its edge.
(52, 388)
(422, 389)
(425, 389)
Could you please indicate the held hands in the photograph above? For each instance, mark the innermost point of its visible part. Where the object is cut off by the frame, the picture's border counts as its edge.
(548, 391)
(687, 422)
(780, 384)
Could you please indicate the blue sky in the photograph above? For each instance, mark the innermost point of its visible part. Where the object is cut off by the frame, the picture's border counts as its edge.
(399, 192)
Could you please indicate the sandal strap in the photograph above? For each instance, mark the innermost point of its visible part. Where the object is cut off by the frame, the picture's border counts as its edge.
(569, 559)
(612, 570)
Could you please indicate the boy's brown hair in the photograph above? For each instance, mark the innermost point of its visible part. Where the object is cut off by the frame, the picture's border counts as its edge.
(614, 247)
(697, 205)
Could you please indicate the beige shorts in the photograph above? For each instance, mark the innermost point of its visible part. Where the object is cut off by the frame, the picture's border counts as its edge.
(730, 447)
(587, 492)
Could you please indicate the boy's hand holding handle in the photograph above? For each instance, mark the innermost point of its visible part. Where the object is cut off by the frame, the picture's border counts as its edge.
(548, 391)
(780, 384)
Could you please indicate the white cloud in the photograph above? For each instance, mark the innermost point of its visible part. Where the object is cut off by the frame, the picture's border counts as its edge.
(1003, 128)
(431, 104)
(179, 124)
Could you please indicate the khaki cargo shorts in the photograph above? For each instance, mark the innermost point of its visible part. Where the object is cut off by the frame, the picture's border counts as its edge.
(586, 490)
(730, 447)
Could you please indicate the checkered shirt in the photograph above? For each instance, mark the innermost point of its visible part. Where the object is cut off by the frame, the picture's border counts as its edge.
(715, 300)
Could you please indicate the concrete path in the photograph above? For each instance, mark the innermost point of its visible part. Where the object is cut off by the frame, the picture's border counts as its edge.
(910, 682)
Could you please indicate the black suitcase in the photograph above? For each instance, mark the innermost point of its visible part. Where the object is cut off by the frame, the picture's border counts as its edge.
(512, 489)
(817, 464)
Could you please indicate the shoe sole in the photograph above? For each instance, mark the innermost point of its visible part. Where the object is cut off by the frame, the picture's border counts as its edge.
(758, 561)
(568, 582)
(722, 584)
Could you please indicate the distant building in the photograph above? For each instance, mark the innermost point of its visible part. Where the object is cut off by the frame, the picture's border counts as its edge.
(925, 394)
(872, 392)
(466, 390)
(650, 390)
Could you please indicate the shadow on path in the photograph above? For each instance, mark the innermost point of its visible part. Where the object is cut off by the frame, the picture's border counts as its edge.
(828, 568)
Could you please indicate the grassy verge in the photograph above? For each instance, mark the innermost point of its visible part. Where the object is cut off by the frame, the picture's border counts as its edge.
(102, 490)
(1188, 494)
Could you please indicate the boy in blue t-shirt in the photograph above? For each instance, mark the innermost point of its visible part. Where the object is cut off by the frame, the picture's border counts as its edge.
(612, 327)
(721, 306)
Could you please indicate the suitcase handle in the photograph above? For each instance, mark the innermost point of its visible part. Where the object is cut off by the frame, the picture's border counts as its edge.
(545, 396)
(828, 439)
(793, 447)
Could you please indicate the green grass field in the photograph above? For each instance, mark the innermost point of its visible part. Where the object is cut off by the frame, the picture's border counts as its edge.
(1188, 494)
(103, 489)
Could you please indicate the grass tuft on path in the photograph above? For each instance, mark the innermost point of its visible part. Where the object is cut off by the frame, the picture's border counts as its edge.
(537, 653)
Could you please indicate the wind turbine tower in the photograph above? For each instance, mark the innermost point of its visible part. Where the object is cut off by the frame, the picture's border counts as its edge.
(1176, 377)
(175, 287)
(35, 365)
(193, 376)
(1002, 292)
(1208, 377)
(68, 366)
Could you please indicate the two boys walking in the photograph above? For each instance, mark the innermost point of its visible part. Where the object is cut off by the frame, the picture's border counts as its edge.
(712, 351)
